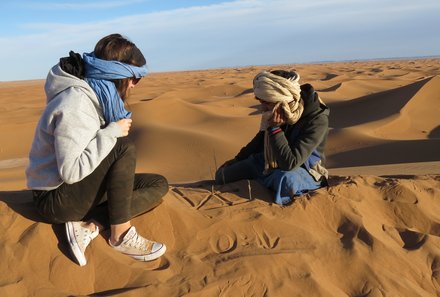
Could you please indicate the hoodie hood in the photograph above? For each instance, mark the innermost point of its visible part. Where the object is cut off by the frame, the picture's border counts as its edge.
(58, 81)
(311, 100)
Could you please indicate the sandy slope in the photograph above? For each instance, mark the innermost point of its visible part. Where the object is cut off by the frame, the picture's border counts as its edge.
(374, 232)
(364, 236)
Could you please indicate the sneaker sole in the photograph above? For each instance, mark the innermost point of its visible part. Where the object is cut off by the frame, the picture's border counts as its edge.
(74, 247)
(152, 256)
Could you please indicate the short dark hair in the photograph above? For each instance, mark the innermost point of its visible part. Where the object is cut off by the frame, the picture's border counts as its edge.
(284, 73)
(116, 47)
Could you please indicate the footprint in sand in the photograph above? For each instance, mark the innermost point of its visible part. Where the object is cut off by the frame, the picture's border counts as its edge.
(224, 243)
(434, 229)
(402, 194)
(393, 234)
(412, 240)
(365, 237)
(395, 192)
(350, 230)
(435, 272)
(367, 291)
(266, 241)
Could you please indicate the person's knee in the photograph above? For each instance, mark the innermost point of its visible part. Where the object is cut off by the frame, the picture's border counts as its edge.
(124, 145)
(244, 169)
(162, 184)
(219, 176)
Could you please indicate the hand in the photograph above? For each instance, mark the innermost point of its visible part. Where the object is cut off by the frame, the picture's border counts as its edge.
(277, 118)
(125, 125)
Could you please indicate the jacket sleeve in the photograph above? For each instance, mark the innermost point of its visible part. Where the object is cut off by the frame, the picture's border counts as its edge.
(80, 144)
(292, 153)
(254, 146)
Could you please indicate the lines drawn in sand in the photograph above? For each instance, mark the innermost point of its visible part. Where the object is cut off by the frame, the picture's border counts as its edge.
(204, 199)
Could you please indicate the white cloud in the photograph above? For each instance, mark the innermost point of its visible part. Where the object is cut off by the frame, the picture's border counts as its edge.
(241, 33)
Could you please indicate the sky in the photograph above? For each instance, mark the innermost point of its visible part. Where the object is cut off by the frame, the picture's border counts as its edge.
(190, 34)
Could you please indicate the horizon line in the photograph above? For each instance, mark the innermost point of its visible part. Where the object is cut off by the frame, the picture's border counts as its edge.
(397, 58)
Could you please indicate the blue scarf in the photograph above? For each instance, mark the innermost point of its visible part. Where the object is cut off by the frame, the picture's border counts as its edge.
(99, 73)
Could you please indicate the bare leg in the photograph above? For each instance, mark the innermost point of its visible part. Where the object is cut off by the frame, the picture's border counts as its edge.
(117, 232)
(91, 225)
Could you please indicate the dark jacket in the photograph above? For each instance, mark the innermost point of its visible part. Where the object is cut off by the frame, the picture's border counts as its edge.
(300, 144)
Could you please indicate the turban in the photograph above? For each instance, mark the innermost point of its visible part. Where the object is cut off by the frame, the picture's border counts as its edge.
(286, 94)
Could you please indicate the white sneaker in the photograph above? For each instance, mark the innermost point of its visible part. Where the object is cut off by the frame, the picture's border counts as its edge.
(138, 247)
(79, 238)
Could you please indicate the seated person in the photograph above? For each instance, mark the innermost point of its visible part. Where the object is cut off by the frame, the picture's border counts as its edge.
(287, 154)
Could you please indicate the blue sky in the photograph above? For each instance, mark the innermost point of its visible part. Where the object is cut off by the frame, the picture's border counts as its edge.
(186, 35)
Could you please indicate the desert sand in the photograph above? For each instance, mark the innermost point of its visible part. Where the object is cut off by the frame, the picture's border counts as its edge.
(373, 232)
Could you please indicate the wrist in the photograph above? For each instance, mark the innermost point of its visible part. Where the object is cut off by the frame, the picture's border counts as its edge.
(274, 130)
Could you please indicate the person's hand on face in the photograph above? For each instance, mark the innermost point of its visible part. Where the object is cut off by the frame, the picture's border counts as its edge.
(275, 114)
(278, 118)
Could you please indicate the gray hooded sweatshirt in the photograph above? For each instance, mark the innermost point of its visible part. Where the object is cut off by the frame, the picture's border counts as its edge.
(69, 142)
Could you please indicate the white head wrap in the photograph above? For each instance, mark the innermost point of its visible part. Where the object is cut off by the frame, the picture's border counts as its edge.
(285, 93)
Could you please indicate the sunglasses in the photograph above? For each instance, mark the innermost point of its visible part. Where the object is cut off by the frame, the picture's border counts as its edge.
(135, 80)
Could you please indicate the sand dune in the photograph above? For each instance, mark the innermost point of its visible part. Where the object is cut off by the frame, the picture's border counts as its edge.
(356, 88)
(417, 119)
(374, 232)
(364, 236)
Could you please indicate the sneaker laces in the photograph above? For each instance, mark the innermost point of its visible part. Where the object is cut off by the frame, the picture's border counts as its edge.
(141, 243)
(138, 242)
(87, 235)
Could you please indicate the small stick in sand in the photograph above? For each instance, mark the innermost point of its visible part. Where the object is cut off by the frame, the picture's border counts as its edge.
(215, 161)
(250, 190)
(215, 170)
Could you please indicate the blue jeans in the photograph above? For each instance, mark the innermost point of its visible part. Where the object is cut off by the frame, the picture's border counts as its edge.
(285, 184)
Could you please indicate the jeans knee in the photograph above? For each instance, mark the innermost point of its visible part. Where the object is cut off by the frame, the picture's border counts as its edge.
(124, 145)
(219, 177)
(162, 184)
